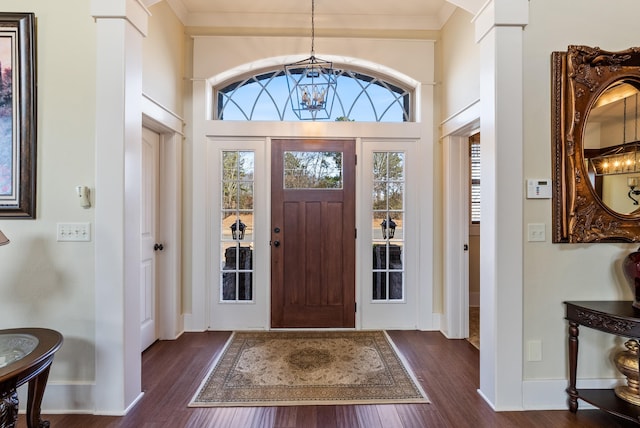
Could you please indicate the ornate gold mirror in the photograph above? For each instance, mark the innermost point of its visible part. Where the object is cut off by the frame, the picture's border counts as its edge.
(596, 147)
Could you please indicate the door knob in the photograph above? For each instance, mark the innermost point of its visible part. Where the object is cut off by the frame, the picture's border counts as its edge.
(157, 247)
(276, 243)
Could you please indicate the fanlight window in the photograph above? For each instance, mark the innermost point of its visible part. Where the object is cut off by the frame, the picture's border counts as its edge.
(359, 97)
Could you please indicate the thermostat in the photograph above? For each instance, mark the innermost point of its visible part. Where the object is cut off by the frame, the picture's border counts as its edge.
(539, 188)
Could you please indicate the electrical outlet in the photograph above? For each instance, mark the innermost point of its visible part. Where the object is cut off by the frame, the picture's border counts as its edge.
(534, 351)
(74, 232)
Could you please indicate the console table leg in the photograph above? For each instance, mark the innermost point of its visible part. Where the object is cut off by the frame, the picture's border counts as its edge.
(9, 409)
(573, 365)
(34, 399)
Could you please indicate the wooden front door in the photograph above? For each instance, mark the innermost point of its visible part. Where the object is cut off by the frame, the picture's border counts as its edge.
(313, 234)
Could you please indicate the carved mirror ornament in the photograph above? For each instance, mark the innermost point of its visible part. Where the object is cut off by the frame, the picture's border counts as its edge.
(596, 152)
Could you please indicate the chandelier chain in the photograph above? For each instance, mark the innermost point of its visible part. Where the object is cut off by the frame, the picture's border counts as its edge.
(313, 27)
(624, 122)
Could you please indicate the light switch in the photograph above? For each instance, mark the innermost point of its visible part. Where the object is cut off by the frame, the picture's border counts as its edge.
(536, 232)
(74, 232)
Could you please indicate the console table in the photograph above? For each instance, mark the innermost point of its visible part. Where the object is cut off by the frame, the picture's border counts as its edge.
(613, 317)
(26, 355)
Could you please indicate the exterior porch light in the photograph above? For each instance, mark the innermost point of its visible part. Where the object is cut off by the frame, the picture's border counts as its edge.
(388, 229)
(237, 230)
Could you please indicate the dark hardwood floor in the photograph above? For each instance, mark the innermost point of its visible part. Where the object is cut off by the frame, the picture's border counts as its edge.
(447, 370)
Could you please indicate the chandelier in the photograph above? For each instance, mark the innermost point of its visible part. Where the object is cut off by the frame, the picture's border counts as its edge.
(623, 158)
(312, 83)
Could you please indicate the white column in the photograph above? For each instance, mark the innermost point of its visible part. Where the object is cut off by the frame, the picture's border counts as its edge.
(196, 218)
(499, 31)
(427, 152)
(120, 27)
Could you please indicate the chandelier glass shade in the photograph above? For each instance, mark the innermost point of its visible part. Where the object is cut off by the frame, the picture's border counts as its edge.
(312, 83)
(312, 88)
(623, 158)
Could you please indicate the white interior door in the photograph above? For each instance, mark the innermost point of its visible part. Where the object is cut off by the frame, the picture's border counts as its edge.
(148, 230)
(456, 235)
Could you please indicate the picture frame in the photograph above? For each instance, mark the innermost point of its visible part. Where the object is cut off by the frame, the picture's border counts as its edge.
(17, 116)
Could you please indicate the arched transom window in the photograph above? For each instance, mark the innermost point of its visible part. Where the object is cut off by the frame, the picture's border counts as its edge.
(359, 97)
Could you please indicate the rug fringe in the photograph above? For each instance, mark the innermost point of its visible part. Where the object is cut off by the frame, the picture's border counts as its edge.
(211, 369)
(308, 403)
(405, 365)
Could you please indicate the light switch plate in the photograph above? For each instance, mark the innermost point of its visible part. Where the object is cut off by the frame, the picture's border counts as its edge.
(536, 232)
(74, 232)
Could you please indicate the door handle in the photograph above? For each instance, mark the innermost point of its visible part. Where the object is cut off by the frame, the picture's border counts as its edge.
(157, 247)
(276, 243)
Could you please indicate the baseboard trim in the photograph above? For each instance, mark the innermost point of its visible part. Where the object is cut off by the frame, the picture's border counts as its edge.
(63, 398)
(551, 395)
(73, 398)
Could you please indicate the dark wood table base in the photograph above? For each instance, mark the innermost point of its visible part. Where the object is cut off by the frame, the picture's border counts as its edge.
(9, 408)
(614, 317)
(33, 368)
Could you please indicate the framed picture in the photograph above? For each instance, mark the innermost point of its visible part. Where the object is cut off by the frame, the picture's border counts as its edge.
(17, 115)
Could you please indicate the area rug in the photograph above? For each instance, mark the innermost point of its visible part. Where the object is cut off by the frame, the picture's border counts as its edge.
(308, 368)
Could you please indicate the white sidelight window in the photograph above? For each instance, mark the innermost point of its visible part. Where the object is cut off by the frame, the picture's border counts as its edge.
(237, 226)
(388, 209)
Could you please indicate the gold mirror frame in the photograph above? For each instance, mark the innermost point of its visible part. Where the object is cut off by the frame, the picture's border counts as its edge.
(579, 77)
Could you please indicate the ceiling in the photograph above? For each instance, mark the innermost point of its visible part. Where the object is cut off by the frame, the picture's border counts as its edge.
(329, 14)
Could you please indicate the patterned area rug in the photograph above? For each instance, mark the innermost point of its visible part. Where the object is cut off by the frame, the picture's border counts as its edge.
(308, 367)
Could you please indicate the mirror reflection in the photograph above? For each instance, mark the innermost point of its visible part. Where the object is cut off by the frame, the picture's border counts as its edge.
(611, 147)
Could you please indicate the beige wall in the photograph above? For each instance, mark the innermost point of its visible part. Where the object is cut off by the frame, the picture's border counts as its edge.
(51, 284)
(460, 64)
(164, 59)
(554, 273)
(460, 87)
(47, 283)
